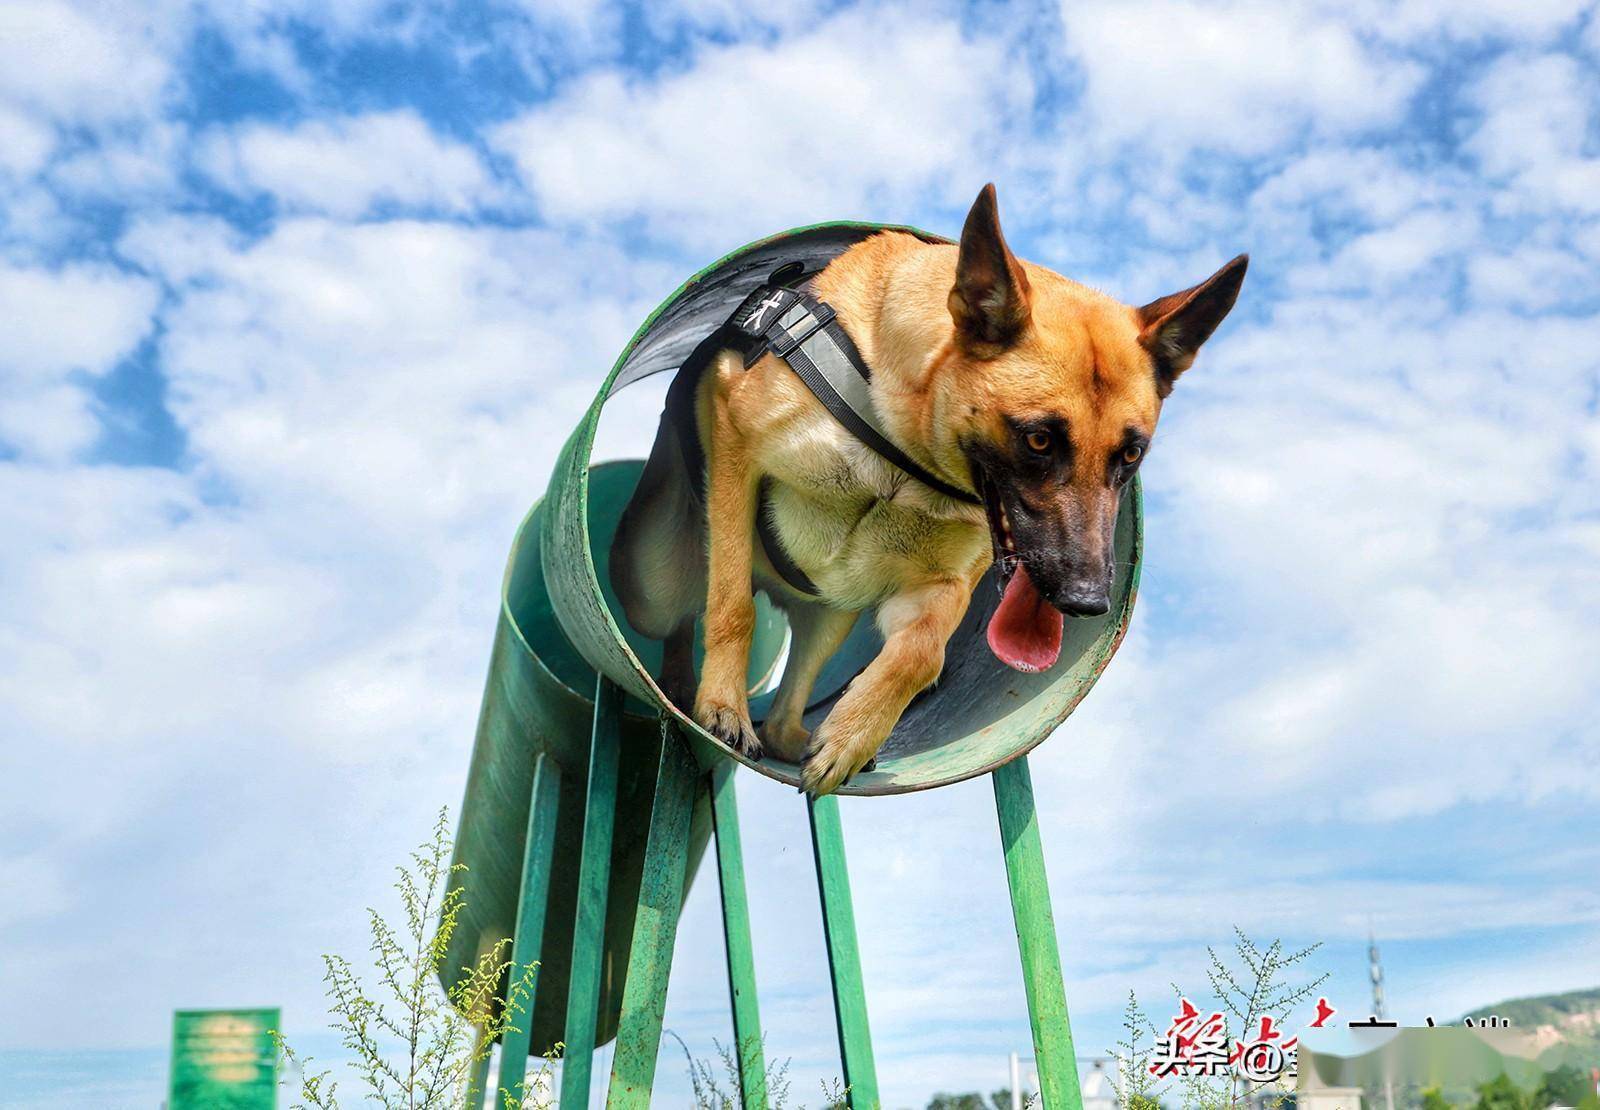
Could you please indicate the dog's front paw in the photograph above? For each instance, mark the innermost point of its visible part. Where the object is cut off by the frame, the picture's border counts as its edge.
(831, 758)
(731, 726)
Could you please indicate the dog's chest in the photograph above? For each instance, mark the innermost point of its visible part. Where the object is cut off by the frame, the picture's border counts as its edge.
(861, 528)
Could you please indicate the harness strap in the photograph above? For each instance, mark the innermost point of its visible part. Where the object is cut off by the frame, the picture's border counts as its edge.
(777, 554)
(680, 412)
(803, 331)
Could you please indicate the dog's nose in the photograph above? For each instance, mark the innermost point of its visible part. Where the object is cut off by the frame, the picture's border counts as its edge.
(1085, 602)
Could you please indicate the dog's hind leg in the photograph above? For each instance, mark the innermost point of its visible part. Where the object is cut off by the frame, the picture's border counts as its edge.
(658, 563)
(658, 552)
(677, 666)
(815, 633)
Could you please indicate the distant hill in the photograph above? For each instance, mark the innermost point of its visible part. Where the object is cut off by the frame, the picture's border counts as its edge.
(1566, 1027)
(1546, 1009)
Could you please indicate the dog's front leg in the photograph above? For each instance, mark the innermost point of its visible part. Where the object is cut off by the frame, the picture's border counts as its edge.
(916, 625)
(721, 705)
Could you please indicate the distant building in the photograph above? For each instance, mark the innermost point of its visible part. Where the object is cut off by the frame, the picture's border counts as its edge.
(1024, 1080)
(1099, 1093)
(1094, 1079)
(1329, 1098)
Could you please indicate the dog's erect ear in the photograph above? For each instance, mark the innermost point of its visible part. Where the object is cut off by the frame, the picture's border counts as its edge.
(1173, 328)
(990, 299)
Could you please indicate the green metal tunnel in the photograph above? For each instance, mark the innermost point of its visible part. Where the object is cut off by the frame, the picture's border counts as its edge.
(558, 627)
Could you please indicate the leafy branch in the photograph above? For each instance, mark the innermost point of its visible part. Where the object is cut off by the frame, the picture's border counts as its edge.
(423, 1046)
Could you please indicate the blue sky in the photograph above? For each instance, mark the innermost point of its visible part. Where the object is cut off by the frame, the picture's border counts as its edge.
(300, 298)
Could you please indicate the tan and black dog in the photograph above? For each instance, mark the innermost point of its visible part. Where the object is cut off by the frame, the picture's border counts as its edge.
(995, 375)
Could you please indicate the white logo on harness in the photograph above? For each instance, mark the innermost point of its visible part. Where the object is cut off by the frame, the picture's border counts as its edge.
(753, 321)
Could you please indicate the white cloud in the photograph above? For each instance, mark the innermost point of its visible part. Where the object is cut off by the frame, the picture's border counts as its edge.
(49, 421)
(33, 222)
(180, 248)
(870, 107)
(302, 639)
(1426, 23)
(145, 640)
(392, 367)
(589, 19)
(1243, 76)
(1392, 254)
(81, 317)
(730, 17)
(124, 166)
(1586, 239)
(1532, 278)
(348, 167)
(77, 320)
(1536, 114)
(1374, 518)
(84, 91)
(25, 141)
(77, 66)
(1347, 183)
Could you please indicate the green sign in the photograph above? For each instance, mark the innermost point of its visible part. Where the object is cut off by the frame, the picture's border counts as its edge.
(224, 1060)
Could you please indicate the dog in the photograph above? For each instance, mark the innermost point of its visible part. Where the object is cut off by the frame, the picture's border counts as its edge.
(1038, 395)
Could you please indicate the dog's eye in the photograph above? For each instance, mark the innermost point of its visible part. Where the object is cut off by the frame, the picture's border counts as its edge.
(1132, 454)
(1039, 441)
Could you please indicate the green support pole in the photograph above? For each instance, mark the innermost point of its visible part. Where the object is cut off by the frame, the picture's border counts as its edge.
(537, 856)
(844, 957)
(1036, 938)
(594, 877)
(736, 935)
(478, 1074)
(655, 926)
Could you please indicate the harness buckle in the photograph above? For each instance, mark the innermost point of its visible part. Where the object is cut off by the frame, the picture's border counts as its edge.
(783, 342)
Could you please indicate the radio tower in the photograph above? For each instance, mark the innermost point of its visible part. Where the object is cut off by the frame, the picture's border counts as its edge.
(1375, 969)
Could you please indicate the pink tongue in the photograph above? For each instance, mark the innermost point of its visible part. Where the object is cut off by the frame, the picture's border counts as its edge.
(1025, 632)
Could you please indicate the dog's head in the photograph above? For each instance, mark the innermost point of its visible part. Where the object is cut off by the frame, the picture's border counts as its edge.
(1054, 394)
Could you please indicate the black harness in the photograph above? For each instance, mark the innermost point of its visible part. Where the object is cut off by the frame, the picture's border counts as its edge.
(804, 332)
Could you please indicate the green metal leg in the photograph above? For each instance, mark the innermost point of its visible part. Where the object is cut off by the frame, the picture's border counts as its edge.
(655, 927)
(478, 1074)
(736, 934)
(529, 938)
(1036, 938)
(594, 877)
(844, 957)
